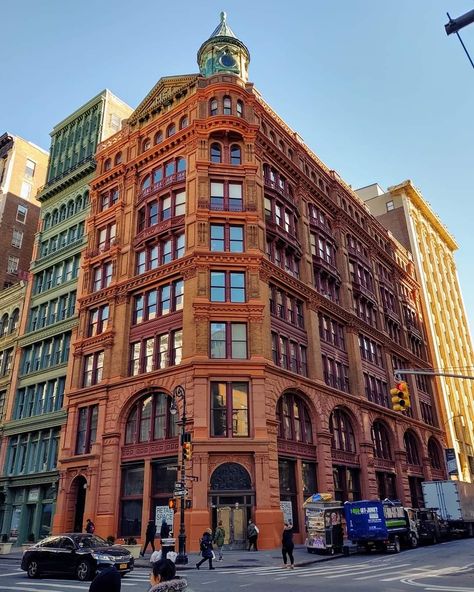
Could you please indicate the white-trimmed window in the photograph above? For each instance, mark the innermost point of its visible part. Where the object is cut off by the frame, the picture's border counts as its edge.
(25, 191)
(21, 213)
(30, 168)
(12, 266)
(17, 238)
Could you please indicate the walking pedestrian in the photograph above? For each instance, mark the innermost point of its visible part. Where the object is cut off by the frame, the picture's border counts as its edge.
(165, 529)
(149, 537)
(252, 535)
(287, 546)
(219, 536)
(206, 549)
(163, 577)
(90, 526)
(107, 580)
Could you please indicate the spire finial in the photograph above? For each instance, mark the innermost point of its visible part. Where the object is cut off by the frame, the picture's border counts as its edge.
(223, 17)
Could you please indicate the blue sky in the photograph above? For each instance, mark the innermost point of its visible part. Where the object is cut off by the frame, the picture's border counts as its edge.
(375, 88)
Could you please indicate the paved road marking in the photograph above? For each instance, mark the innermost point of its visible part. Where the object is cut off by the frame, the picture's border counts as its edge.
(425, 568)
(372, 569)
(13, 573)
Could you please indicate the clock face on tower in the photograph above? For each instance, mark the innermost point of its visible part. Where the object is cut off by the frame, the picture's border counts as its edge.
(227, 60)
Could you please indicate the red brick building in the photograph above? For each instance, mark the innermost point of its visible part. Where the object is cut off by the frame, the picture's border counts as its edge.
(225, 257)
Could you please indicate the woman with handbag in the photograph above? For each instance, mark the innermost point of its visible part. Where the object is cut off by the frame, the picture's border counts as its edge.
(205, 545)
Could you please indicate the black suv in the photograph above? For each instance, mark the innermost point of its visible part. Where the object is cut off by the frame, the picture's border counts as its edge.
(75, 554)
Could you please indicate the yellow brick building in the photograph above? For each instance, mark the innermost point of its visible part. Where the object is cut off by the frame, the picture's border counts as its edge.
(404, 211)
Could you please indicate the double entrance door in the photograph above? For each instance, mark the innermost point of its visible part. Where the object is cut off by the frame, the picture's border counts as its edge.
(234, 511)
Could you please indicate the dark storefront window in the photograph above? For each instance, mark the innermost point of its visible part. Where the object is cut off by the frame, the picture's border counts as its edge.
(346, 483)
(286, 470)
(416, 491)
(386, 485)
(131, 501)
(310, 486)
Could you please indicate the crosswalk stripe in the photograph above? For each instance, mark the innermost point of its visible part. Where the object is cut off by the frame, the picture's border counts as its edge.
(12, 573)
(372, 569)
(417, 571)
(70, 586)
(323, 572)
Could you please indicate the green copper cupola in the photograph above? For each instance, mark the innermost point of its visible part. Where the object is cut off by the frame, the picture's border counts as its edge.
(223, 52)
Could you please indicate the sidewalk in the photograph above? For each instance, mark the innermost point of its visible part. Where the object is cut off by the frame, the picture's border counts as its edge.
(236, 559)
(232, 559)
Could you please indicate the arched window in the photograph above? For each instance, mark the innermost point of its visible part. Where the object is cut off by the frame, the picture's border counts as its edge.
(411, 447)
(47, 220)
(107, 164)
(381, 441)
(273, 137)
(146, 144)
(282, 146)
(146, 182)
(78, 203)
(14, 319)
(341, 430)
(85, 201)
(181, 165)
(4, 325)
(227, 106)
(158, 137)
(434, 454)
(183, 122)
(70, 208)
(235, 154)
(150, 419)
(170, 130)
(62, 213)
(213, 107)
(290, 153)
(118, 158)
(240, 108)
(216, 152)
(54, 218)
(294, 419)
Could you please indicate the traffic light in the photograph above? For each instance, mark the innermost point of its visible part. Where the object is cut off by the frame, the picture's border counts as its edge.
(400, 396)
(172, 504)
(187, 450)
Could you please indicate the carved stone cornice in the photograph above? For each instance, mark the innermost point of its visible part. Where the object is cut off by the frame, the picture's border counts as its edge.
(105, 340)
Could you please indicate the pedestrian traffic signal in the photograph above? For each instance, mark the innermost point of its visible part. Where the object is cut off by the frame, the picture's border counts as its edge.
(187, 450)
(400, 396)
(172, 504)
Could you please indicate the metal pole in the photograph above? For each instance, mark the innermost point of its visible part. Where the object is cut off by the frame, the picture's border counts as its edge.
(182, 558)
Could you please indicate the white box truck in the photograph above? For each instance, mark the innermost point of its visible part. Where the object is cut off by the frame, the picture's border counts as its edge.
(454, 501)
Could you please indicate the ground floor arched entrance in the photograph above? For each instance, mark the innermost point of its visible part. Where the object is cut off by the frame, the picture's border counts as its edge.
(232, 499)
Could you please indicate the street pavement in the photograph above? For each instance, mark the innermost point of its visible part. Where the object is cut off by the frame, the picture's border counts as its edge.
(448, 567)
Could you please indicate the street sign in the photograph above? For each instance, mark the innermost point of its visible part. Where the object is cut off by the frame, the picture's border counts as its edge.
(180, 492)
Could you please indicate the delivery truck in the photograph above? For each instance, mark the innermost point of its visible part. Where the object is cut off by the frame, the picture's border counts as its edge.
(381, 525)
(454, 502)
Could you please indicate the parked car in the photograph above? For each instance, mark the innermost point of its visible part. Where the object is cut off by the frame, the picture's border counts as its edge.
(75, 554)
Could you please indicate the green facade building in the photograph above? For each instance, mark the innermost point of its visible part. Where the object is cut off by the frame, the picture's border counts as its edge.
(35, 413)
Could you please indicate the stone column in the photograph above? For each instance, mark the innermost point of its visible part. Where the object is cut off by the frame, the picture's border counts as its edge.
(325, 476)
(356, 378)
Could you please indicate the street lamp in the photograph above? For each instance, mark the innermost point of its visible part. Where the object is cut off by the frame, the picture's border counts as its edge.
(180, 394)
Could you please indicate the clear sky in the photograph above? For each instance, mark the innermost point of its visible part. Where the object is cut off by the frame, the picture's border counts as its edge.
(375, 87)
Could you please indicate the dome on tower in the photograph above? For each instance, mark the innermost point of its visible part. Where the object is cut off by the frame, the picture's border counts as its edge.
(223, 52)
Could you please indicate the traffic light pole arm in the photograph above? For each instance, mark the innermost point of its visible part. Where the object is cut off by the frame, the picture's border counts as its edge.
(427, 372)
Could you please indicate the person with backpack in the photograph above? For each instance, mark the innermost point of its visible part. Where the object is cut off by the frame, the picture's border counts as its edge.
(90, 526)
(219, 536)
(252, 535)
(205, 545)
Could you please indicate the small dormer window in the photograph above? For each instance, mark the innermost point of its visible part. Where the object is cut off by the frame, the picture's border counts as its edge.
(213, 107)
(183, 122)
(146, 144)
(158, 137)
(170, 130)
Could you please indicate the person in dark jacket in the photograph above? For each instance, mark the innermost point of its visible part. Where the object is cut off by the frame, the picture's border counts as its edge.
(163, 578)
(90, 526)
(165, 530)
(252, 535)
(287, 545)
(107, 580)
(206, 549)
(149, 537)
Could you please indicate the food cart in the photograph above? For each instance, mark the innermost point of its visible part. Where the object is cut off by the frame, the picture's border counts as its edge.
(324, 524)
